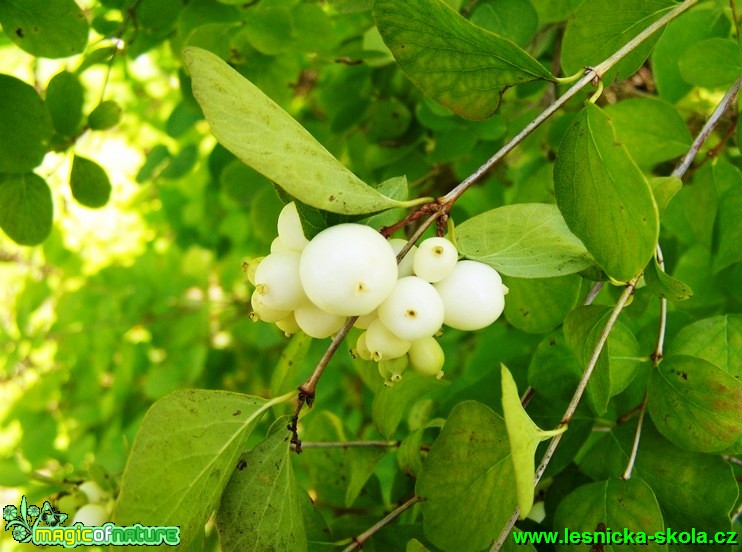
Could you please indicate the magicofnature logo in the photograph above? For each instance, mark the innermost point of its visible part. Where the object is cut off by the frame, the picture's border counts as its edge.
(43, 526)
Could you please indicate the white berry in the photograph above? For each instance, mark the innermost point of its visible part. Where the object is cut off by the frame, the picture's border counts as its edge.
(413, 309)
(348, 269)
(290, 230)
(252, 267)
(384, 344)
(364, 321)
(277, 281)
(288, 325)
(426, 356)
(317, 323)
(435, 259)
(260, 311)
(361, 349)
(91, 514)
(93, 491)
(472, 296)
(405, 266)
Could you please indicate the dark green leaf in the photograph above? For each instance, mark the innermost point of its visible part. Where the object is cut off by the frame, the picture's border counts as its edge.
(254, 128)
(554, 371)
(261, 508)
(64, 99)
(467, 480)
(106, 115)
(604, 197)
(652, 130)
(515, 20)
(25, 126)
(392, 403)
(711, 63)
(45, 28)
(616, 504)
(26, 208)
(540, 305)
(268, 29)
(89, 183)
(696, 405)
(528, 240)
(600, 27)
(728, 234)
(453, 61)
(664, 285)
(201, 434)
(284, 375)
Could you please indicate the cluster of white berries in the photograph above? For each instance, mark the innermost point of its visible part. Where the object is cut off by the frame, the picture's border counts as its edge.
(350, 270)
(98, 508)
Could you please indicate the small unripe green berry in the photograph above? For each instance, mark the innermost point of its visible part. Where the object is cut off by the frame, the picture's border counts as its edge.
(288, 325)
(435, 259)
(290, 229)
(361, 349)
(252, 267)
(413, 309)
(383, 344)
(317, 323)
(426, 356)
(392, 370)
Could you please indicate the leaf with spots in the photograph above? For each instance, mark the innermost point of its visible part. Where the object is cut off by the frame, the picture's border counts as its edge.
(261, 134)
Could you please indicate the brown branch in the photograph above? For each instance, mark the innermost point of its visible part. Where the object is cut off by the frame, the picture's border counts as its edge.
(361, 539)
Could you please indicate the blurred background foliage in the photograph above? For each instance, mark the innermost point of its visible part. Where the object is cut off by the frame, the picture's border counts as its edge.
(138, 290)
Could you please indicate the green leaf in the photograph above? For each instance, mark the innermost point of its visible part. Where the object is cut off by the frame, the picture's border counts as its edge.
(695, 491)
(604, 197)
(600, 27)
(64, 99)
(106, 115)
(467, 480)
(652, 130)
(664, 189)
(728, 231)
(528, 240)
(25, 126)
(515, 20)
(289, 363)
(540, 305)
(26, 209)
(392, 403)
(704, 21)
(183, 457)
(617, 363)
(524, 436)
(695, 404)
(45, 28)
(261, 508)
(254, 128)
(711, 63)
(554, 371)
(716, 340)
(89, 183)
(664, 285)
(268, 29)
(616, 504)
(458, 64)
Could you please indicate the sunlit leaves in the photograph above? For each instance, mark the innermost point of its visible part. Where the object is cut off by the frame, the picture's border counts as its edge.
(25, 126)
(182, 458)
(45, 28)
(64, 100)
(529, 240)
(26, 208)
(604, 197)
(261, 134)
(524, 436)
(711, 63)
(467, 480)
(89, 183)
(600, 27)
(458, 64)
(105, 115)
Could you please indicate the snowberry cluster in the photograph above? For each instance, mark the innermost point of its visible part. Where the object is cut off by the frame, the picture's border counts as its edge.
(350, 270)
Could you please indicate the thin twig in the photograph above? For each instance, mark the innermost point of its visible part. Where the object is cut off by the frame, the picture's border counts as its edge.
(361, 539)
(593, 293)
(707, 129)
(622, 300)
(662, 328)
(637, 438)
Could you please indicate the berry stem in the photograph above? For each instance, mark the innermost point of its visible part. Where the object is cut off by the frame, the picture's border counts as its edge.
(361, 539)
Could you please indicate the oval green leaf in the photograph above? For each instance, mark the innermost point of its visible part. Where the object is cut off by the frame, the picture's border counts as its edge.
(25, 126)
(711, 63)
(524, 436)
(540, 305)
(696, 405)
(26, 208)
(616, 504)
(45, 28)
(528, 240)
(458, 64)
(716, 340)
(604, 197)
(261, 508)
(600, 27)
(261, 134)
(89, 183)
(106, 115)
(467, 480)
(202, 434)
(64, 99)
